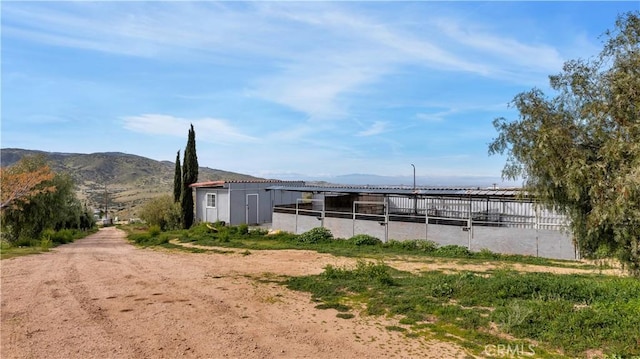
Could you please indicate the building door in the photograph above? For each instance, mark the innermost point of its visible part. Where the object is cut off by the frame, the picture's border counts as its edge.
(252, 209)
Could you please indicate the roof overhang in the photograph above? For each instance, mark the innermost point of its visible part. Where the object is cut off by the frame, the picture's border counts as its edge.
(407, 191)
(225, 183)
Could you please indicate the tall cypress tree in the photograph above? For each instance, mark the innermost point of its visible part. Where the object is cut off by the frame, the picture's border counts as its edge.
(189, 176)
(177, 180)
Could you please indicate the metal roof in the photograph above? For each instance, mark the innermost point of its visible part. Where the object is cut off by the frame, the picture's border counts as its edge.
(406, 191)
(221, 183)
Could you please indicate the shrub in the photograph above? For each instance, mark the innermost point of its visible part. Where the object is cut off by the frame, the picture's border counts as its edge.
(485, 253)
(201, 229)
(363, 273)
(426, 246)
(242, 229)
(48, 234)
(284, 236)
(154, 230)
(453, 251)
(316, 235)
(45, 244)
(161, 211)
(219, 224)
(374, 271)
(413, 245)
(364, 240)
(393, 244)
(259, 231)
(140, 238)
(63, 236)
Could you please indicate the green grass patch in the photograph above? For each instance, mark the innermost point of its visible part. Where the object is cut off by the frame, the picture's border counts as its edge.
(337, 306)
(50, 239)
(8, 251)
(569, 314)
(395, 328)
(321, 240)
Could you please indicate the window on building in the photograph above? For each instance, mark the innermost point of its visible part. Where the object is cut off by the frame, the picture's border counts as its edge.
(211, 200)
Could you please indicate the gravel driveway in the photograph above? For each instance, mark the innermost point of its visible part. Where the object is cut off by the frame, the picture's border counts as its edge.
(101, 297)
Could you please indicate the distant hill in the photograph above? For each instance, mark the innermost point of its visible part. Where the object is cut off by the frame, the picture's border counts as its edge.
(130, 180)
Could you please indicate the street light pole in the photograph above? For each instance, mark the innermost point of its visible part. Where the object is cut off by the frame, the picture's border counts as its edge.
(414, 177)
(415, 194)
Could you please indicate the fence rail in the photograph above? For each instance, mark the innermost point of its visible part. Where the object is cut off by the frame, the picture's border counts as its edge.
(446, 211)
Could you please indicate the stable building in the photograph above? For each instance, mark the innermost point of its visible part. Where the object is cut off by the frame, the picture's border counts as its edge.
(501, 220)
(241, 202)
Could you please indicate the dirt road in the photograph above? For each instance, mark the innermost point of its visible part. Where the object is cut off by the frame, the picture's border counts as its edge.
(100, 297)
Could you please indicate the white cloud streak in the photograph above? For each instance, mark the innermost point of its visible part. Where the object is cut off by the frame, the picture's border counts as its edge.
(207, 129)
(314, 55)
(502, 50)
(376, 128)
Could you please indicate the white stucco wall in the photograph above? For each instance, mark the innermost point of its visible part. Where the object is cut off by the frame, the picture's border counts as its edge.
(544, 243)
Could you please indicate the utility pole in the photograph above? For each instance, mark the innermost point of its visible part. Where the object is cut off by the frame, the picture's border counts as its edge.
(106, 205)
(414, 177)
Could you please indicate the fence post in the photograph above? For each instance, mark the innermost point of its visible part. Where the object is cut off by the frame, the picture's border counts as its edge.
(426, 222)
(353, 222)
(297, 203)
(537, 226)
(470, 224)
(386, 219)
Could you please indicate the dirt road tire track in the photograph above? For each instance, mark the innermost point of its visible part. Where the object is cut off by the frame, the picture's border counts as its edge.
(100, 297)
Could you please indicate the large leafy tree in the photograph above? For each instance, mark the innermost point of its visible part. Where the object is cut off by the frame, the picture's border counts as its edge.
(579, 151)
(177, 180)
(21, 182)
(52, 204)
(189, 177)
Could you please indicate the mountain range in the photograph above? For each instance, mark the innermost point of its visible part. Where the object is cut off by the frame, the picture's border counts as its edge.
(405, 181)
(120, 181)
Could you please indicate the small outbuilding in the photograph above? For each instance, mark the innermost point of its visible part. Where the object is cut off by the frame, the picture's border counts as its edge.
(241, 202)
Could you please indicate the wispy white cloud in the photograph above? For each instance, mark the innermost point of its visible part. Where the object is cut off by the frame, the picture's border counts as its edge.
(207, 129)
(313, 89)
(376, 128)
(502, 53)
(434, 116)
(444, 111)
(352, 52)
(313, 56)
(539, 56)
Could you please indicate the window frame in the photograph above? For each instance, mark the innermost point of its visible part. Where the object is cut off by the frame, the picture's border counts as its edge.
(215, 199)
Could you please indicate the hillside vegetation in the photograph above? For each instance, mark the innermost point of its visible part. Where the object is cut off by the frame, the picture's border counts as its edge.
(129, 180)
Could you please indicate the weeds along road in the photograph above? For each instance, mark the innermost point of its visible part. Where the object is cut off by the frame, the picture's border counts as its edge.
(101, 297)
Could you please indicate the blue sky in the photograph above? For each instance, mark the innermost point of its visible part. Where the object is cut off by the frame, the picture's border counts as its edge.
(286, 89)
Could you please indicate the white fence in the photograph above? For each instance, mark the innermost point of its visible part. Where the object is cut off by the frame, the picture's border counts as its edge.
(511, 227)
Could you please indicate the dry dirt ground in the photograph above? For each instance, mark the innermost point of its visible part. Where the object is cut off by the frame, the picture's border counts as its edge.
(101, 297)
